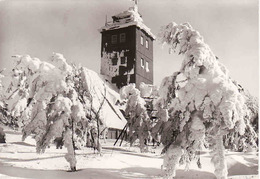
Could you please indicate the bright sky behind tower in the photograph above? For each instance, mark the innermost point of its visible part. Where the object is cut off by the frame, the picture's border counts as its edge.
(41, 27)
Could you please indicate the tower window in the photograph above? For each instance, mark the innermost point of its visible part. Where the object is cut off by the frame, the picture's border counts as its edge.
(123, 60)
(142, 62)
(147, 66)
(146, 44)
(142, 40)
(122, 37)
(114, 39)
(114, 61)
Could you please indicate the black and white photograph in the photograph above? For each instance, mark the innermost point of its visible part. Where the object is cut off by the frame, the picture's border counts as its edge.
(129, 89)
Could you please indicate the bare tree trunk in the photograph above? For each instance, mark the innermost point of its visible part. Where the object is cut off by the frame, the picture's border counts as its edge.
(68, 143)
(218, 157)
(171, 161)
(99, 147)
(73, 144)
(142, 145)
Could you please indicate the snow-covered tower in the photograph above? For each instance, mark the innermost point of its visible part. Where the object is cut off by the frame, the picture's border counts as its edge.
(127, 49)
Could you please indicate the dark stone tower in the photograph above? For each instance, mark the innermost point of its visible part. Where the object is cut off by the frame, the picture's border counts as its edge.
(127, 50)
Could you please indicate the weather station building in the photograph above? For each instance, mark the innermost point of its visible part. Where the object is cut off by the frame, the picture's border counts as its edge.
(126, 52)
(127, 49)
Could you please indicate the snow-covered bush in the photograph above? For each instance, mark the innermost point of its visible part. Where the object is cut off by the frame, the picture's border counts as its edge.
(206, 107)
(138, 119)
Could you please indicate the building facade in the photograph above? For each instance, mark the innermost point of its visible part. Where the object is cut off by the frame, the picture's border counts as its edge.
(127, 50)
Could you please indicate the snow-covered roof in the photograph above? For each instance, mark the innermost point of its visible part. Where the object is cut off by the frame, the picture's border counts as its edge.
(111, 114)
(127, 18)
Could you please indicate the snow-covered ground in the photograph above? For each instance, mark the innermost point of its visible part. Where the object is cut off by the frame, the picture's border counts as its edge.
(19, 160)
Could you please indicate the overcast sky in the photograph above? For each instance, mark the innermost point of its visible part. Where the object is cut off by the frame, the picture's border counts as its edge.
(38, 28)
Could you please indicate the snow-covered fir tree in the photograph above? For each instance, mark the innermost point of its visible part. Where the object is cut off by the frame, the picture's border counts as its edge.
(138, 122)
(16, 96)
(165, 126)
(3, 110)
(54, 99)
(203, 109)
(249, 139)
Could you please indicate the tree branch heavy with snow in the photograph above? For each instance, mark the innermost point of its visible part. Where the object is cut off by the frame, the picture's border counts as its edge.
(58, 100)
(206, 107)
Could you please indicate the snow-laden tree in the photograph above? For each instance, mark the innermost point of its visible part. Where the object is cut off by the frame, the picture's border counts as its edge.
(1, 84)
(57, 100)
(252, 105)
(165, 127)
(3, 110)
(92, 94)
(138, 121)
(202, 108)
(55, 107)
(16, 94)
(250, 138)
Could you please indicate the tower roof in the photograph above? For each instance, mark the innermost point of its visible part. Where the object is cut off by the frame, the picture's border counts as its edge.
(125, 19)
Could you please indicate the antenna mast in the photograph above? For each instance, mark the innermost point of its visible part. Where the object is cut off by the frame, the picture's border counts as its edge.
(136, 5)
